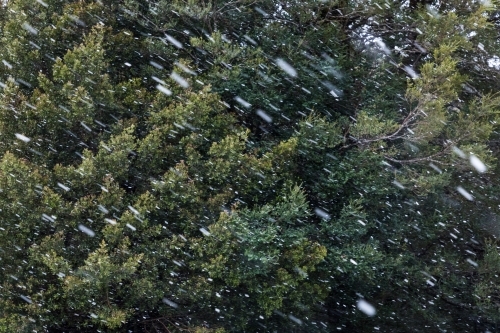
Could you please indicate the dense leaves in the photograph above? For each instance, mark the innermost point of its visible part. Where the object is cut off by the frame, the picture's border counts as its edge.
(230, 166)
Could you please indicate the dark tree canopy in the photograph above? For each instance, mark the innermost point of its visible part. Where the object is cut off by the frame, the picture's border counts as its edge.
(249, 166)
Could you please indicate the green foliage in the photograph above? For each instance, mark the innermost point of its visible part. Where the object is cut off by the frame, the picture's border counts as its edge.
(231, 166)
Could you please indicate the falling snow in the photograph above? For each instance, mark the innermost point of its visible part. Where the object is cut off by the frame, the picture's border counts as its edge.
(366, 308)
(249, 167)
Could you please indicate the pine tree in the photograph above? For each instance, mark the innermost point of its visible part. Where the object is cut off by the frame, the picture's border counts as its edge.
(247, 166)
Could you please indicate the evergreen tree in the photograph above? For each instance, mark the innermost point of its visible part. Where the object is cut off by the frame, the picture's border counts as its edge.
(248, 166)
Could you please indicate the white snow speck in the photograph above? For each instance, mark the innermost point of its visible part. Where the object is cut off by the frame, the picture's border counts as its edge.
(47, 218)
(264, 116)
(164, 90)
(174, 41)
(63, 187)
(463, 192)
(26, 299)
(42, 3)
(131, 227)
(250, 39)
(102, 209)
(261, 12)
(380, 43)
(29, 28)
(353, 262)
(459, 152)
(155, 64)
(205, 231)
(128, 64)
(184, 68)
(242, 102)
(169, 302)
(22, 137)
(160, 81)
(86, 230)
(110, 221)
(7, 64)
(133, 210)
(411, 72)
(321, 213)
(179, 79)
(435, 167)
(366, 308)
(477, 163)
(87, 128)
(472, 262)
(295, 319)
(398, 184)
(286, 67)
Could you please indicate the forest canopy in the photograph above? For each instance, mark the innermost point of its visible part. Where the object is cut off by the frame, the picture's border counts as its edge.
(249, 166)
